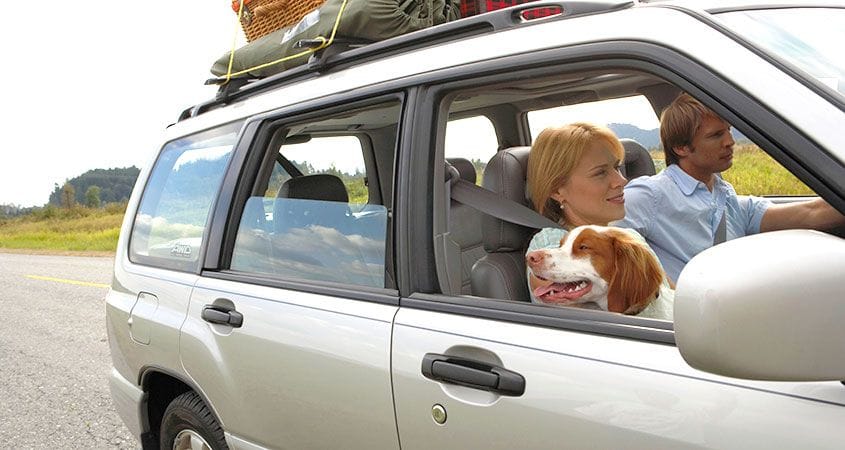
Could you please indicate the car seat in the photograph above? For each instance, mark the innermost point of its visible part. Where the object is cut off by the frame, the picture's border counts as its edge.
(501, 272)
(637, 162)
(465, 226)
(317, 199)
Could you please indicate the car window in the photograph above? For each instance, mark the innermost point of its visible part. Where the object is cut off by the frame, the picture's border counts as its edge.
(628, 117)
(183, 184)
(473, 139)
(315, 218)
(754, 172)
(809, 38)
(338, 155)
(491, 265)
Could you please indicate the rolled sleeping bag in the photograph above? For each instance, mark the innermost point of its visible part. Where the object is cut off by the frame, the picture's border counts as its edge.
(368, 20)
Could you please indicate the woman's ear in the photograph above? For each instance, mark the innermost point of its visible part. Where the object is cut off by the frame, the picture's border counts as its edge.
(559, 194)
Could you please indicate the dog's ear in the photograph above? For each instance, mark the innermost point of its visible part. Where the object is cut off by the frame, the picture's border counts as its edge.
(636, 277)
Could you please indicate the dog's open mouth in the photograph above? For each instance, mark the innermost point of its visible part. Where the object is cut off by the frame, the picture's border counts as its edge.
(563, 292)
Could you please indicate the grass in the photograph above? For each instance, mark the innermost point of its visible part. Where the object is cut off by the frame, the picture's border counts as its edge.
(754, 173)
(77, 229)
(81, 229)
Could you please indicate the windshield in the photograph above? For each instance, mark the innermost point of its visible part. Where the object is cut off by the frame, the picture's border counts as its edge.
(809, 38)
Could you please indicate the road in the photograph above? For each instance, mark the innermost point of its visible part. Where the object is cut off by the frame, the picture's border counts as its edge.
(54, 356)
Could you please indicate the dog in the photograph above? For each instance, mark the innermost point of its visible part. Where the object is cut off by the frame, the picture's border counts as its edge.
(606, 266)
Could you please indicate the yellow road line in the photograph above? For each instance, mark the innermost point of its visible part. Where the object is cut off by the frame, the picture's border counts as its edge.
(62, 280)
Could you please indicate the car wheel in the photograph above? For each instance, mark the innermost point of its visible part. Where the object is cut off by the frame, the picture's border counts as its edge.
(189, 424)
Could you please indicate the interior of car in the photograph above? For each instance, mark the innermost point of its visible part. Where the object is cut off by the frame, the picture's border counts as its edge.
(477, 253)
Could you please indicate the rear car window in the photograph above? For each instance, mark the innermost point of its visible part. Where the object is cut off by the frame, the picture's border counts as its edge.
(173, 214)
(320, 215)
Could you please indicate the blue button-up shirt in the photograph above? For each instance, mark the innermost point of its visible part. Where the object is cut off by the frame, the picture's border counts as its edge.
(679, 216)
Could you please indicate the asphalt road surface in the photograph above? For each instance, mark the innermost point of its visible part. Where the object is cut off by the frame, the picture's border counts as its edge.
(54, 355)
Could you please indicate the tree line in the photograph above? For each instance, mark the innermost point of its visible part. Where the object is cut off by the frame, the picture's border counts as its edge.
(95, 189)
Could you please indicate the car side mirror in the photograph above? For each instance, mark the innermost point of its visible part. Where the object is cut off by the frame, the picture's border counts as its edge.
(767, 307)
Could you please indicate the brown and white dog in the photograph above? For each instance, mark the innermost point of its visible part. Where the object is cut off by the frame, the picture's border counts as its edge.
(603, 265)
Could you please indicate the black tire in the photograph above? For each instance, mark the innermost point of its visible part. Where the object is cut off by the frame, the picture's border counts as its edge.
(187, 414)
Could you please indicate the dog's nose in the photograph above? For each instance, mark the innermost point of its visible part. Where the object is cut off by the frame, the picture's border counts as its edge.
(534, 258)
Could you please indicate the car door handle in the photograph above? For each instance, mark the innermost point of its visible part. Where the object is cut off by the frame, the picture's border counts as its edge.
(222, 315)
(473, 374)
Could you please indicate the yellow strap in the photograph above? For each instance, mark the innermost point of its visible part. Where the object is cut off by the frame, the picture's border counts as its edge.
(325, 43)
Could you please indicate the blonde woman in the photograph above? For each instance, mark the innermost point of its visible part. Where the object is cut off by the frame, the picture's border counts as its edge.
(574, 179)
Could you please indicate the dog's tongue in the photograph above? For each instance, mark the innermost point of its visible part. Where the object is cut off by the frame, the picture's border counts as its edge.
(563, 292)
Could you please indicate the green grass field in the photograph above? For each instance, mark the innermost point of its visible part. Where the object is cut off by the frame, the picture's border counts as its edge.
(53, 229)
(754, 173)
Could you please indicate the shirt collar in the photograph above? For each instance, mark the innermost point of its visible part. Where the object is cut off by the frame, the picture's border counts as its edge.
(685, 182)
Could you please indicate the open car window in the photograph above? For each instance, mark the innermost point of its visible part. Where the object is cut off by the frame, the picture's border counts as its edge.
(470, 257)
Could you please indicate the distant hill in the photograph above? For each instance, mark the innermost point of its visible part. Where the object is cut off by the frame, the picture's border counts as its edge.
(650, 139)
(115, 185)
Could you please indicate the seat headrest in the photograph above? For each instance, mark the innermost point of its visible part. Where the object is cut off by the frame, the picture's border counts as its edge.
(321, 186)
(505, 175)
(465, 168)
(638, 161)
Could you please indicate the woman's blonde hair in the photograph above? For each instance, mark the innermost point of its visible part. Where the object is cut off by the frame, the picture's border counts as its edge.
(553, 156)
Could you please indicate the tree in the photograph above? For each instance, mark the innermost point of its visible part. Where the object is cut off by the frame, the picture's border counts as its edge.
(68, 196)
(92, 197)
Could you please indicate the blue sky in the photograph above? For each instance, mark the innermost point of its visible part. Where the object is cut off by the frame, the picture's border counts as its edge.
(93, 85)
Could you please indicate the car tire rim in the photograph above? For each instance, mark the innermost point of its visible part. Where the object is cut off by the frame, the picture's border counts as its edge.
(190, 440)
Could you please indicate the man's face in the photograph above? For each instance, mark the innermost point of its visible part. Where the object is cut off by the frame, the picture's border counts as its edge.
(711, 150)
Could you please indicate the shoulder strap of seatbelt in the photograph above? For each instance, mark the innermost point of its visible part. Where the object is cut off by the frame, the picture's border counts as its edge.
(722, 230)
(497, 206)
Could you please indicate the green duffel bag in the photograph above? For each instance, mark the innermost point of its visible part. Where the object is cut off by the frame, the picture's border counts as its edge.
(367, 20)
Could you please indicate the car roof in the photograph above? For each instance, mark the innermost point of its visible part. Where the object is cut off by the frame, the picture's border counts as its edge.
(470, 27)
(717, 6)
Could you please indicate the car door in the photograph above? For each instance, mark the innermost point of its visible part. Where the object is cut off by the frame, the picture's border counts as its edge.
(585, 389)
(289, 339)
(473, 372)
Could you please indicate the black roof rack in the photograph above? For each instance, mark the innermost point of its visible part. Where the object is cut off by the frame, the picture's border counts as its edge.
(348, 51)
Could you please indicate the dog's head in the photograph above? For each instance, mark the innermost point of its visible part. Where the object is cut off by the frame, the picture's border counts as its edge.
(602, 265)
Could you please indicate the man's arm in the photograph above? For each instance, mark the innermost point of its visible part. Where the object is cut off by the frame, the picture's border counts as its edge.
(816, 214)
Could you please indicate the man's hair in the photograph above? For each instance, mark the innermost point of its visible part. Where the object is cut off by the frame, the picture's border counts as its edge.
(553, 156)
(679, 122)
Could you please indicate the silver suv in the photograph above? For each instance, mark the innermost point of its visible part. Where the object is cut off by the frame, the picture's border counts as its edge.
(297, 269)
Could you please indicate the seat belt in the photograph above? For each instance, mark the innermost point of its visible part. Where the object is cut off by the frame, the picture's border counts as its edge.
(495, 205)
(722, 230)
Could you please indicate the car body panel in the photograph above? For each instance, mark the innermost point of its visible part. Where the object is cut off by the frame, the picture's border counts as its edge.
(593, 391)
(326, 359)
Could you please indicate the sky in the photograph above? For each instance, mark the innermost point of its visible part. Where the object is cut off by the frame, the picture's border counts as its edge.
(94, 85)
(87, 87)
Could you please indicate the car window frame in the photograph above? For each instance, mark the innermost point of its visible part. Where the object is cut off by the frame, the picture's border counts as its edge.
(748, 115)
(234, 160)
(240, 182)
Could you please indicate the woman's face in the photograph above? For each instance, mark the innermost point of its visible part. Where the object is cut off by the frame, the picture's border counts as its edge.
(593, 193)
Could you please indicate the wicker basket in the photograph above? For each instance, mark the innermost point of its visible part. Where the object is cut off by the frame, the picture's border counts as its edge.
(261, 17)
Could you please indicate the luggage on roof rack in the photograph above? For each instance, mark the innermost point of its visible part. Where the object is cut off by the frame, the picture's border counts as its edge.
(473, 7)
(362, 21)
(261, 17)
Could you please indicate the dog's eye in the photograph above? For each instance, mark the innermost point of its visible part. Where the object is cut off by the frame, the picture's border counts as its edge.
(583, 247)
